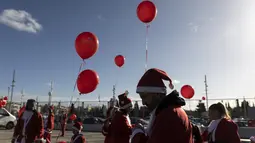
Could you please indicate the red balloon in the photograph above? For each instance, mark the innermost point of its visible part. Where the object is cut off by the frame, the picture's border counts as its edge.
(73, 117)
(3, 102)
(87, 81)
(86, 44)
(5, 98)
(146, 11)
(187, 91)
(119, 60)
(203, 98)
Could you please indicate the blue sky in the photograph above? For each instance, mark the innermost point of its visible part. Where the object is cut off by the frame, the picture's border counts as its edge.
(188, 39)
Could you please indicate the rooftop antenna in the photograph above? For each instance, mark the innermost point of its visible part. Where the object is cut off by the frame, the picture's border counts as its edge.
(206, 92)
(12, 88)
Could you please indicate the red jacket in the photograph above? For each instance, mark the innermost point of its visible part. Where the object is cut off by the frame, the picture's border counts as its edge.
(50, 122)
(226, 132)
(171, 123)
(32, 130)
(120, 128)
(63, 119)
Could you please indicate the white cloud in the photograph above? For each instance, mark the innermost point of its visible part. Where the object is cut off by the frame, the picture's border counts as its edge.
(100, 17)
(193, 27)
(20, 20)
(176, 81)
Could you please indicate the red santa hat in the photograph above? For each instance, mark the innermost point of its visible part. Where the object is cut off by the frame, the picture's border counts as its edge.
(124, 101)
(152, 82)
(77, 126)
(51, 107)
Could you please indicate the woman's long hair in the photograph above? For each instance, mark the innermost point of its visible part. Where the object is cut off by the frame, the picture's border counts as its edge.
(221, 109)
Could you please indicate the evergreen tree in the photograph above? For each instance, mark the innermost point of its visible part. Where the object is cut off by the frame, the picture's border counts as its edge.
(237, 103)
(200, 108)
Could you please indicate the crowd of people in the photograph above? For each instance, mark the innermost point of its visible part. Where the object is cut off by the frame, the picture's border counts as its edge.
(32, 128)
(168, 123)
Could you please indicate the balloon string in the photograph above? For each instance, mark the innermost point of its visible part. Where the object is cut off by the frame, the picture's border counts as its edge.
(146, 46)
(82, 64)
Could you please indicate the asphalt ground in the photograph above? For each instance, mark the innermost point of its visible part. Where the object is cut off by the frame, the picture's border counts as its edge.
(6, 135)
(91, 137)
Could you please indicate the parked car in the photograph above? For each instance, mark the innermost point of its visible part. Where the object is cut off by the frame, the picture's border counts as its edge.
(90, 124)
(7, 120)
(242, 123)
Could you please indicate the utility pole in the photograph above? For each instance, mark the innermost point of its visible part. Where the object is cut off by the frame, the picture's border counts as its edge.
(206, 92)
(37, 103)
(12, 88)
(113, 97)
(9, 93)
(99, 98)
(50, 93)
(21, 98)
(113, 91)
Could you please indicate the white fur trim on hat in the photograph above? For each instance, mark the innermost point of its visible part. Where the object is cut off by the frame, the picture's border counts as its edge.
(126, 106)
(150, 89)
(41, 139)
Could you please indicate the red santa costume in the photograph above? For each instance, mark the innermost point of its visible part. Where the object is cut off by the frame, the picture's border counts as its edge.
(110, 113)
(222, 131)
(49, 125)
(29, 127)
(78, 137)
(120, 128)
(63, 124)
(168, 122)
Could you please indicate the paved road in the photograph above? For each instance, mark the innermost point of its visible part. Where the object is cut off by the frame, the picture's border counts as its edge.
(5, 136)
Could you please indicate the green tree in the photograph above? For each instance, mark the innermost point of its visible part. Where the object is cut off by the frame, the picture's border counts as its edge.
(237, 103)
(200, 108)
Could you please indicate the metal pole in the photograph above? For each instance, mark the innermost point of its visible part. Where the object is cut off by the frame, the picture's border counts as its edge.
(21, 98)
(50, 93)
(12, 88)
(206, 93)
(114, 98)
(9, 93)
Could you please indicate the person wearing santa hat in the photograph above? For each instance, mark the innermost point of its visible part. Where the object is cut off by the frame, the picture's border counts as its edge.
(77, 136)
(109, 115)
(168, 122)
(49, 125)
(29, 126)
(221, 129)
(120, 128)
(63, 123)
